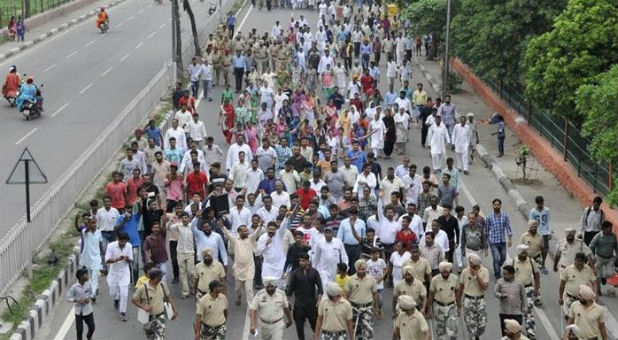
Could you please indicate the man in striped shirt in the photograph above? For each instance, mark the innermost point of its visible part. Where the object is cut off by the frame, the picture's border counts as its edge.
(498, 229)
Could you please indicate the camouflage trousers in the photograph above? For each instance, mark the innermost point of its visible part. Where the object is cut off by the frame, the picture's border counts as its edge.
(446, 321)
(474, 316)
(529, 319)
(213, 333)
(362, 318)
(568, 301)
(334, 335)
(155, 328)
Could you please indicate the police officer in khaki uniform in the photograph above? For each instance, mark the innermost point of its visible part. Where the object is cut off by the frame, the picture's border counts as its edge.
(567, 248)
(217, 63)
(211, 314)
(410, 323)
(411, 287)
(261, 55)
(151, 297)
(473, 283)
(444, 300)
(362, 292)
(421, 269)
(512, 330)
(334, 316)
(579, 273)
(588, 315)
(207, 271)
(527, 272)
(226, 65)
(533, 240)
(282, 57)
(269, 306)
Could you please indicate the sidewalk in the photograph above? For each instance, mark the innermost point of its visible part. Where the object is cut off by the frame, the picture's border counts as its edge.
(565, 208)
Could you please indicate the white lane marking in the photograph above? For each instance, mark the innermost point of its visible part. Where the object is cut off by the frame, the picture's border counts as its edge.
(139, 45)
(72, 54)
(151, 35)
(89, 43)
(106, 72)
(132, 17)
(245, 330)
(85, 88)
(162, 25)
(119, 25)
(49, 68)
(125, 57)
(66, 325)
(610, 323)
(547, 324)
(60, 109)
(26, 136)
(140, 11)
(244, 19)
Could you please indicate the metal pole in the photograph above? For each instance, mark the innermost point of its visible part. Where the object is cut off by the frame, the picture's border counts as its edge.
(445, 69)
(173, 33)
(27, 175)
(566, 138)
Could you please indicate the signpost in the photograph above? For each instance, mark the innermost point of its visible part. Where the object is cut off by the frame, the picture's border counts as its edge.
(32, 173)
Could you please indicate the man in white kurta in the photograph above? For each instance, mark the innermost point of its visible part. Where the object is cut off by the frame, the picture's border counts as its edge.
(271, 246)
(328, 254)
(178, 134)
(118, 256)
(378, 131)
(232, 152)
(92, 243)
(437, 136)
(461, 140)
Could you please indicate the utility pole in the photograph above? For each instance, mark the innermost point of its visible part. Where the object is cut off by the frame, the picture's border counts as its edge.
(174, 16)
(445, 66)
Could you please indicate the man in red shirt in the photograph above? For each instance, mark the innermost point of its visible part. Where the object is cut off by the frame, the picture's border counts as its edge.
(117, 191)
(367, 82)
(133, 184)
(406, 236)
(305, 194)
(358, 103)
(196, 182)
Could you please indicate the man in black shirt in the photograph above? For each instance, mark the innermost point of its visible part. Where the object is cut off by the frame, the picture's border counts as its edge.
(306, 285)
(450, 225)
(294, 252)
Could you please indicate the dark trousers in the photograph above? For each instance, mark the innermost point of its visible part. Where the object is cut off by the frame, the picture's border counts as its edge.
(588, 235)
(451, 252)
(174, 256)
(388, 147)
(376, 58)
(238, 73)
(79, 325)
(424, 131)
(347, 63)
(257, 277)
(230, 29)
(356, 49)
(302, 313)
(354, 253)
(195, 88)
(518, 318)
(501, 145)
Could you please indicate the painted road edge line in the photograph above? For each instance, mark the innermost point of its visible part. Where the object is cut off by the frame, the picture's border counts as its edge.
(26, 136)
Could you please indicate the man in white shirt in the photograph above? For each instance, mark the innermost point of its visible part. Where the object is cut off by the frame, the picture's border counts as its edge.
(279, 196)
(271, 246)
(440, 237)
(212, 152)
(207, 79)
(432, 212)
(367, 178)
(413, 185)
(186, 165)
(238, 173)
(349, 171)
(239, 215)
(404, 102)
(253, 177)
(438, 137)
(233, 151)
(387, 226)
(266, 155)
(416, 223)
(327, 254)
(461, 140)
(106, 220)
(197, 130)
(391, 184)
(268, 212)
(178, 133)
(118, 257)
(290, 177)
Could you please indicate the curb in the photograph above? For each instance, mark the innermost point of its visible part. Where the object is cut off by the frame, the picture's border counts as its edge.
(44, 36)
(46, 302)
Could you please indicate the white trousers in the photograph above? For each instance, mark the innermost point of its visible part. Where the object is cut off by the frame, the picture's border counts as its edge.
(436, 161)
(462, 159)
(120, 293)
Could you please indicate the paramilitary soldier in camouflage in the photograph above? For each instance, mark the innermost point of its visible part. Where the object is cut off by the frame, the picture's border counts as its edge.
(444, 300)
(472, 285)
(269, 306)
(411, 287)
(527, 272)
(151, 297)
(362, 292)
(579, 273)
(334, 316)
(410, 323)
(211, 314)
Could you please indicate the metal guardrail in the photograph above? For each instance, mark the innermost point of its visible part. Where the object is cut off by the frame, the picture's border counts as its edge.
(562, 135)
(18, 245)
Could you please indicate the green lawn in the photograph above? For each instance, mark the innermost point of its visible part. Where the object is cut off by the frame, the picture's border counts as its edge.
(16, 8)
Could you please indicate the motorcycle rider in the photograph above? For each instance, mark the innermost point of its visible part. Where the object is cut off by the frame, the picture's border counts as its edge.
(102, 18)
(28, 92)
(11, 83)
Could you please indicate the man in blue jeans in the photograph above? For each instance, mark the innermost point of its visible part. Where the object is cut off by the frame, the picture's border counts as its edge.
(497, 229)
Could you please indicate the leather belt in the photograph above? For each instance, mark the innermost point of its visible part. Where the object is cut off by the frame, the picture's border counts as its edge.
(333, 333)
(444, 304)
(356, 305)
(270, 322)
(473, 297)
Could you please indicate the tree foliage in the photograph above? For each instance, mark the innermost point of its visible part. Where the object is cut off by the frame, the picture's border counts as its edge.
(426, 16)
(582, 44)
(598, 102)
(491, 35)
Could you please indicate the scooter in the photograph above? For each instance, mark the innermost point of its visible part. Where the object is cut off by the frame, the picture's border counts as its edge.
(10, 97)
(104, 26)
(33, 108)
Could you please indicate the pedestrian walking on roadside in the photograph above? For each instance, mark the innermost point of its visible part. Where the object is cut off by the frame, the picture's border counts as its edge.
(81, 295)
(498, 230)
(152, 297)
(211, 314)
(473, 283)
(92, 248)
(512, 297)
(498, 119)
(270, 306)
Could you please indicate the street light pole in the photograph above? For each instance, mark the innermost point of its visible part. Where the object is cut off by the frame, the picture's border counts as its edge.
(174, 58)
(445, 67)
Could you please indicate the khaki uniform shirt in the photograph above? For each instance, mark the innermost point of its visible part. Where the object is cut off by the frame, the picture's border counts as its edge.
(534, 243)
(443, 290)
(154, 297)
(415, 289)
(360, 291)
(420, 268)
(567, 252)
(227, 61)
(335, 315)
(470, 284)
(411, 326)
(587, 319)
(574, 278)
(216, 59)
(205, 274)
(525, 270)
(211, 309)
(269, 308)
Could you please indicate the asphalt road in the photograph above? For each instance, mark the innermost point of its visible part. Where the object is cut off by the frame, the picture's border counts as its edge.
(89, 79)
(479, 187)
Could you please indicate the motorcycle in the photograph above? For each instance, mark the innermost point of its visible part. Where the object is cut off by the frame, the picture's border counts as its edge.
(104, 26)
(10, 97)
(33, 108)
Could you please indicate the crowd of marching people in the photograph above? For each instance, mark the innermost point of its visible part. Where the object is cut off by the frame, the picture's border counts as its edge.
(298, 212)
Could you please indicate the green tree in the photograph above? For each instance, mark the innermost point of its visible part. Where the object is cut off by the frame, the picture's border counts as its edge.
(426, 16)
(582, 44)
(491, 36)
(598, 102)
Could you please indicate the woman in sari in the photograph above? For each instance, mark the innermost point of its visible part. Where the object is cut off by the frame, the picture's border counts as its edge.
(401, 126)
(251, 132)
(344, 122)
(226, 120)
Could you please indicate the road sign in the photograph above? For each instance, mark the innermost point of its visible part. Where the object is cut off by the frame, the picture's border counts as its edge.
(31, 173)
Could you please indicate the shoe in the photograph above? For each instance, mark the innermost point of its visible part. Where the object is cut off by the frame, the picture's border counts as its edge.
(500, 155)
(116, 304)
(175, 280)
(544, 270)
(466, 172)
(123, 317)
